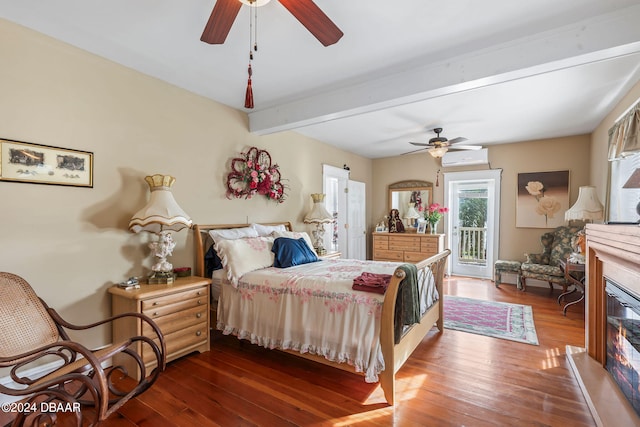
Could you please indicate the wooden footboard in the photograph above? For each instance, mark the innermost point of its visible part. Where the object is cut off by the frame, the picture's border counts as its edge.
(394, 354)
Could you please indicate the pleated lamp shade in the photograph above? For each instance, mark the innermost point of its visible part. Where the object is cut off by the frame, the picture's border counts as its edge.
(162, 212)
(587, 207)
(318, 213)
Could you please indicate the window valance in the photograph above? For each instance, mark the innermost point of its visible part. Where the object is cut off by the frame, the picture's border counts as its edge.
(623, 135)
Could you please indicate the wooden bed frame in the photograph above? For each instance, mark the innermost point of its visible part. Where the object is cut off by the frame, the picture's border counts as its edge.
(394, 354)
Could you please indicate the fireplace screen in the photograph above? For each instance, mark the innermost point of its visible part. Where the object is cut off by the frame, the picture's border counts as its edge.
(623, 341)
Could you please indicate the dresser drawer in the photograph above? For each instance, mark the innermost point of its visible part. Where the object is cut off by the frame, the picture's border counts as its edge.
(404, 243)
(165, 300)
(429, 245)
(180, 341)
(383, 255)
(414, 257)
(177, 320)
(156, 312)
(381, 242)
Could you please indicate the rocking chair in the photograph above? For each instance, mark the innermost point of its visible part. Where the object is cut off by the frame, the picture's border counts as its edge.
(34, 335)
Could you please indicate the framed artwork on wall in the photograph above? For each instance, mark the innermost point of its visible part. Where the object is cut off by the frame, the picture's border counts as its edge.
(623, 204)
(542, 199)
(44, 164)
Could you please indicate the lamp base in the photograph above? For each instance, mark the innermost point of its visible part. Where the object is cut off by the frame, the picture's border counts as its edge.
(161, 278)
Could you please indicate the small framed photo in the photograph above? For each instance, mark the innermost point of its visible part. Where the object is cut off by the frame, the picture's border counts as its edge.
(43, 164)
(422, 227)
(379, 229)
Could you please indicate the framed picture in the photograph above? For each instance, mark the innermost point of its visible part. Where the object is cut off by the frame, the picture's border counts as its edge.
(623, 199)
(43, 164)
(542, 199)
(422, 227)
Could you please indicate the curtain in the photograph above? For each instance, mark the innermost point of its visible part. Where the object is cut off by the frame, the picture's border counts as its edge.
(624, 136)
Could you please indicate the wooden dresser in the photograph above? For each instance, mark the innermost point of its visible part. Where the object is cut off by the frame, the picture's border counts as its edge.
(181, 310)
(406, 247)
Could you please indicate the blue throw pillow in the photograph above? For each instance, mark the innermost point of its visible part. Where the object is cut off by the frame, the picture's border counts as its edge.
(289, 252)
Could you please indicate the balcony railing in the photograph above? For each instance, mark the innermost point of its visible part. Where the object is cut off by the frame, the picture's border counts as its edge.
(472, 247)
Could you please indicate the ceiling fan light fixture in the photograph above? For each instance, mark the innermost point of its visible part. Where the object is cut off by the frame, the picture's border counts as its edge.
(256, 3)
(438, 152)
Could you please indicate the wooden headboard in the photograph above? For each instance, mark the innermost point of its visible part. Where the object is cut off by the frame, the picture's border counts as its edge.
(203, 240)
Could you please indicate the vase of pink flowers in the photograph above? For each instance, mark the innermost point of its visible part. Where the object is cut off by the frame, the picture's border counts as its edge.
(433, 214)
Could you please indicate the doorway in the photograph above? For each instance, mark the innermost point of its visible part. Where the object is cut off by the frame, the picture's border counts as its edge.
(346, 201)
(474, 222)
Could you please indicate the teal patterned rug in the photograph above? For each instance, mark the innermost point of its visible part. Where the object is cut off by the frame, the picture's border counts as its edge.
(494, 319)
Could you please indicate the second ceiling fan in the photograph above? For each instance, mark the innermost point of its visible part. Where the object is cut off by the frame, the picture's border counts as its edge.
(439, 145)
(306, 11)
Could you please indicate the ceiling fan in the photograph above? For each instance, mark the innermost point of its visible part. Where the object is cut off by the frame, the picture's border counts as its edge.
(439, 145)
(306, 11)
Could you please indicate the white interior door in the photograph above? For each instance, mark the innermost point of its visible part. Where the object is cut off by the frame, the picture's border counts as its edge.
(335, 189)
(473, 223)
(356, 224)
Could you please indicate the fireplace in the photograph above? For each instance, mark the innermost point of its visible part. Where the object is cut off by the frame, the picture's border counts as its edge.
(603, 369)
(623, 341)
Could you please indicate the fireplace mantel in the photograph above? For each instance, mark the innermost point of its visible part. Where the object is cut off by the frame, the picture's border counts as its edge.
(613, 251)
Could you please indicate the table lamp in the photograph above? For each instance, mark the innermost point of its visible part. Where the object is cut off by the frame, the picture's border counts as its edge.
(160, 216)
(318, 216)
(634, 182)
(587, 207)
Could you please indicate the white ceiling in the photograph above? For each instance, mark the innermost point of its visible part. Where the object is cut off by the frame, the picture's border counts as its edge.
(493, 71)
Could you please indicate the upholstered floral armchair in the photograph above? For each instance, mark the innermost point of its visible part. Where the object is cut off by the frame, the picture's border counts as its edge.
(557, 245)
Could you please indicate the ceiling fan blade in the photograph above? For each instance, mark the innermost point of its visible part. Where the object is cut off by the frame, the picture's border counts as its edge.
(457, 140)
(465, 147)
(421, 144)
(220, 21)
(314, 20)
(414, 151)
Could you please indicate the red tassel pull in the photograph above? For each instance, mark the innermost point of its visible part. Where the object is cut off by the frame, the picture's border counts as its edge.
(248, 97)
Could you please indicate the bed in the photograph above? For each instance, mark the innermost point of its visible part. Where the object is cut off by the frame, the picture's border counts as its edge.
(277, 308)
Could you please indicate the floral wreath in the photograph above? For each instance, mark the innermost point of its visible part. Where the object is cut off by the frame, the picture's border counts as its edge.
(252, 174)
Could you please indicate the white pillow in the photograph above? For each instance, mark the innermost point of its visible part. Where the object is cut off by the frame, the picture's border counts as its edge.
(266, 230)
(232, 233)
(240, 256)
(296, 235)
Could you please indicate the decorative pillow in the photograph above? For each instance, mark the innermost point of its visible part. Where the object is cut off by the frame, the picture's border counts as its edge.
(232, 233)
(240, 256)
(289, 252)
(296, 235)
(266, 230)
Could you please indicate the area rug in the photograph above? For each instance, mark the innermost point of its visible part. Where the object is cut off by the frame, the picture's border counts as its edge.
(494, 319)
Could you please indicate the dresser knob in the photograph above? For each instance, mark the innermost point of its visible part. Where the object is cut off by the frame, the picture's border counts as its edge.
(155, 314)
(199, 292)
(198, 333)
(199, 315)
(199, 302)
(155, 303)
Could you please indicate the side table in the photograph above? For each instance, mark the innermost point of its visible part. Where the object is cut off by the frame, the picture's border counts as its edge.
(180, 309)
(575, 275)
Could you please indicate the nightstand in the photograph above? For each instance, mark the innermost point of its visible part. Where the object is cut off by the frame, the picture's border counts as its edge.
(331, 255)
(180, 309)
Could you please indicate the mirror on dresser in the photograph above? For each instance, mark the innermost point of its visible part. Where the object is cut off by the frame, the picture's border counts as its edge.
(403, 194)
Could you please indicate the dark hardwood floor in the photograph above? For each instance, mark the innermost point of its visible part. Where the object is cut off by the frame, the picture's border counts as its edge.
(452, 379)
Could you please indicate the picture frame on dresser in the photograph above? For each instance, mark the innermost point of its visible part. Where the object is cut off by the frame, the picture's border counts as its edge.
(422, 227)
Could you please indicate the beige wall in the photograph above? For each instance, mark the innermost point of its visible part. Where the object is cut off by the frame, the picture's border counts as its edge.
(71, 243)
(571, 153)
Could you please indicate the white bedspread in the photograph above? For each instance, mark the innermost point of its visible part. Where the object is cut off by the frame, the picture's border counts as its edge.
(312, 308)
